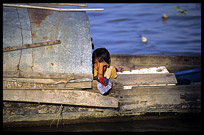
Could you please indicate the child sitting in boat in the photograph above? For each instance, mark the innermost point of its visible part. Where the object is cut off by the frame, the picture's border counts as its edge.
(103, 72)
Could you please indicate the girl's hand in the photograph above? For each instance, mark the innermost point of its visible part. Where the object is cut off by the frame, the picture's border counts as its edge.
(101, 68)
(122, 68)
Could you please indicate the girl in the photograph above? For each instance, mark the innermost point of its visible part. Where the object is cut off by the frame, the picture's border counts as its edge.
(102, 70)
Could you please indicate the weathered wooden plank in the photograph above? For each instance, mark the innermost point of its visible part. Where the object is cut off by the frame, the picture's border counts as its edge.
(51, 8)
(31, 83)
(172, 63)
(20, 74)
(146, 79)
(177, 89)
(186, 98)
(27, 46)
(37, 80)
(17, 85)
(31, 113)
(70, 97)
(67, 4)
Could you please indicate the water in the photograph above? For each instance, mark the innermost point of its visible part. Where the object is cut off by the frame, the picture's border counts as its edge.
(120, 26)
(184, 123)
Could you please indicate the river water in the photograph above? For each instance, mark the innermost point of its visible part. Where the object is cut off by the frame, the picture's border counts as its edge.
(167, 123)
(120, 26)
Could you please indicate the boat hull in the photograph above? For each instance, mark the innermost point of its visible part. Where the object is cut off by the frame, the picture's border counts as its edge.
(137, 101)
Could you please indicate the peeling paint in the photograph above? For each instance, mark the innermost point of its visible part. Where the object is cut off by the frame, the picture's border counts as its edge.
(37, 16)
(34, 35)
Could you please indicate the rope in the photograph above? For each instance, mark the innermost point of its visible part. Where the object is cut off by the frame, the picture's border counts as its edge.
(57, 116)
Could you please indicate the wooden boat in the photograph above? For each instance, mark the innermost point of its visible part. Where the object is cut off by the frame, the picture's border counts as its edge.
(43, 85)
(85, 104)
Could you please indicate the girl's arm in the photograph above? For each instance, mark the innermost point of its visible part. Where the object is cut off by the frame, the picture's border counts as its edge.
(101, 68)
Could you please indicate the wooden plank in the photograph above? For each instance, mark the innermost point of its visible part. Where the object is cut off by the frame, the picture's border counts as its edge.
(19, 85)
(51, 8)
(183, 98)
(172, 63)
(21, 74)
(146, 79)
(69, 97)
(27, 46)
(37, 80)
(31, 113)
(65, 4)
(171, 90)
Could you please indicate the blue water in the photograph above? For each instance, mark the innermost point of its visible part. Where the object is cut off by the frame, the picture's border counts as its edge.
(120, 26)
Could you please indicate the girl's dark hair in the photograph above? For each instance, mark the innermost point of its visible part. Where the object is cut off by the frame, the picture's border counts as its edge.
(101, 54)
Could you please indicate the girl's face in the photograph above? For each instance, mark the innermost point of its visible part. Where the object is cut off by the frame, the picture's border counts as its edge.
(97, 63)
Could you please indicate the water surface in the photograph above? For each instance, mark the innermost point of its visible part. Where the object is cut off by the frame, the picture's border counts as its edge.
(120, 26)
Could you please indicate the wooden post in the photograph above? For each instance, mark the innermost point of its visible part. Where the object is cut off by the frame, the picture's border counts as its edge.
(51, 8)
(65, 4)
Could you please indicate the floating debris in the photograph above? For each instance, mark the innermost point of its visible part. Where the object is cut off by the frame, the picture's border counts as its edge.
(181, 11)
(164, 16)
(144, 39)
